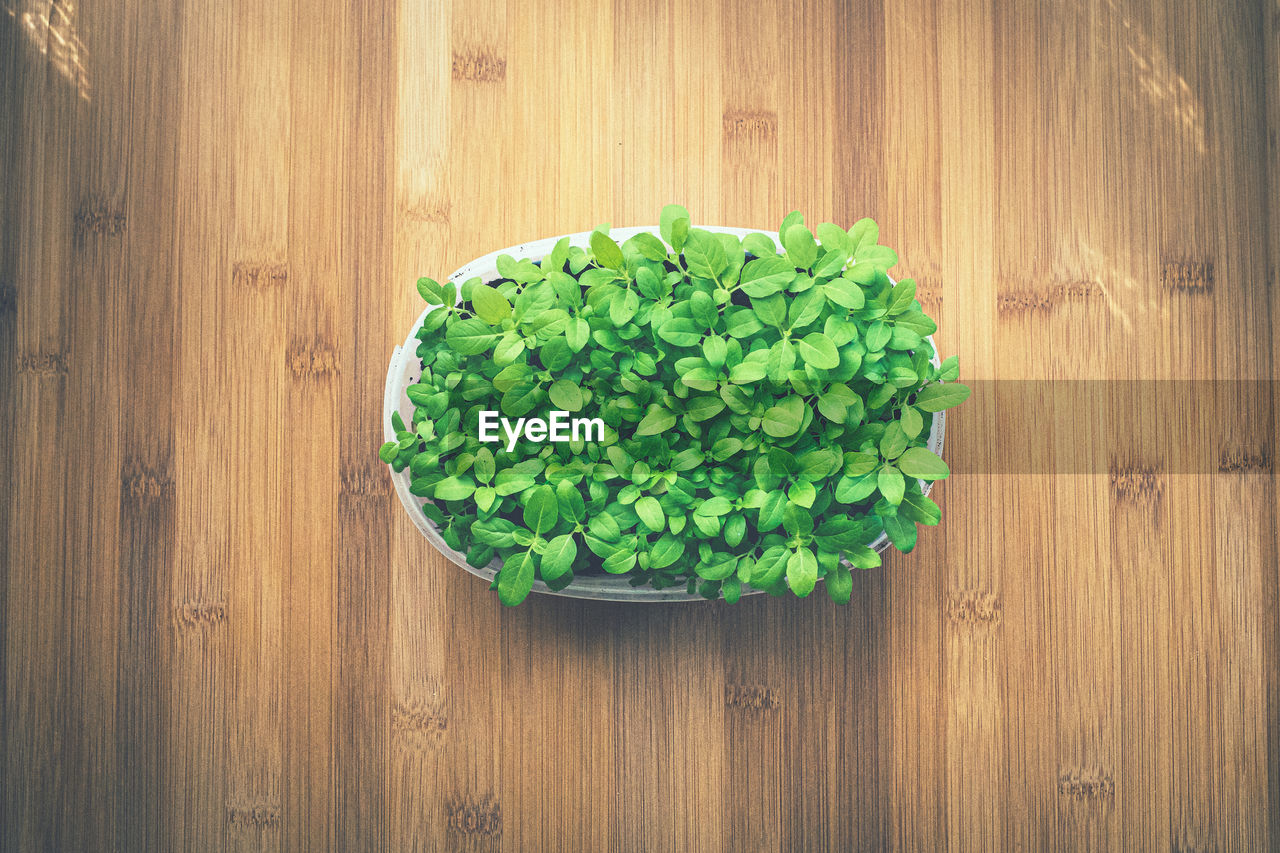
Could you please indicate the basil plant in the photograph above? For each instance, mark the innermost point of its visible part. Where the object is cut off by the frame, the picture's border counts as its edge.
(762, 415)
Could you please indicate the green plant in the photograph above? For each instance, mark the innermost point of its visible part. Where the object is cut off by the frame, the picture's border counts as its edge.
(765, 412)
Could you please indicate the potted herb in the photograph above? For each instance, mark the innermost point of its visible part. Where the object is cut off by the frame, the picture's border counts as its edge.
(702, 412)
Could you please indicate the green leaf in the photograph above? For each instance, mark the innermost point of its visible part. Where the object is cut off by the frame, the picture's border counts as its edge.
(802, 572)
(542, 510)
(606, 251)
(570, 502)
(864, 234)
(935, 398)
(704, 254)
(650, 512)
(559, 556)
(877, 336)
(893, 442)
(667, 220)
(515, 580)
(902, 377)
(623, 307)
(785, 418)
(923, 464)
(802, 494)
(839, 583)
(911, 421)
(742, 323)
(817, 350)
(565, 395)
(844, 293)
(490, 305)
(802, 251)
(902, 532)
(725, 448)
(901, 297)
(714, 350)
(746, 372)
(484, 466)
(766, 276)
(891, 484)
(470, 337)
(714, 507)
(719, 567)
(950, 370)
(657, 420)
(834, 237)
(509, 482)
(704, 408)
(922, 325)
(681, 332)
(649, 247)
(666, 551)
(388, 451)
(431, 291)
(454, 488)
(577, 333)
(619, 562)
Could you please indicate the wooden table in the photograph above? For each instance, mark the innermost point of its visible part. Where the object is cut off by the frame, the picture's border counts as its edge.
(220, 630)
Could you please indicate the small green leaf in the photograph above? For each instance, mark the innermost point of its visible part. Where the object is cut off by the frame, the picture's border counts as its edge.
(623, 307)
(470, 337)
(388, 451)
(923, 464)
(839, 583)
(650, 512)
(891, 484)
(515, 580)
(657, 420)
(784, 419)
(802, 493)
(704, 408)
(901, 297)
(902, 532)
(935, 398)
(577, 333)
(542, 510)
(802, 251)
(817, 350)
(844, 293)
(559, 556)
(704, 254)
(606, 250)
(911, 421)
(670, 214)
(431, 291)
(620, 561)
(666, 551)
(893, 442)
(714, 507)
(454, 488)
(490, 305)
(681, 332)
(569, 499)
(565, 395)
(802, 572)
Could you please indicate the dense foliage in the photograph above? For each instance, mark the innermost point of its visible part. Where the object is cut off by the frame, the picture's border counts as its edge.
(766, 411)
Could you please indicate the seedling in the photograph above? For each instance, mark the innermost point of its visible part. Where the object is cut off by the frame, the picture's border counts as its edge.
(762, 414)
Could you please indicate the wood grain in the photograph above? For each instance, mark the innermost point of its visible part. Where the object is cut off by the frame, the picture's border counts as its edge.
(220, 631)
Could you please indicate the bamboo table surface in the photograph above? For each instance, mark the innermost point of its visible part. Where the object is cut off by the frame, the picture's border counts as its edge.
(221, 631)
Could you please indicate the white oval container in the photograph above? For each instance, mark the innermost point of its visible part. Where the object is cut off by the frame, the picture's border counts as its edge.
(405, 370)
